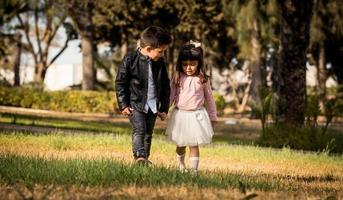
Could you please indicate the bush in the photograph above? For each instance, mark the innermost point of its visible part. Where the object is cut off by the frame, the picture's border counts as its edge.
(304, 138)
(312, 111)
(220, 103)
(66, 101)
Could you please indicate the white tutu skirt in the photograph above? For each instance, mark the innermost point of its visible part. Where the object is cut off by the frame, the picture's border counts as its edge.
(189, 128)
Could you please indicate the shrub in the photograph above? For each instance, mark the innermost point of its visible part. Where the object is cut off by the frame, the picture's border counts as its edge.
(305, 138)
(220, 103)
(67, 101)
(312, 111)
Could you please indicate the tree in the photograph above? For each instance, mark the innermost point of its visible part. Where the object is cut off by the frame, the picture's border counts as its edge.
(255, 28)
(326, 41)
(295, 25)
(81, 13)
(43, 21)
(119, 23)
(8, 10)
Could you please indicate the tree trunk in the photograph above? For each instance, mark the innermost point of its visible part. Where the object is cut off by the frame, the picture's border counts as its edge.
(38, 72)
(41, 67)
(81, 11)
(245, 98)
(296, 17)
(17, 61)
(321, 76)
(87, 63)
(255, 66)
(123, 46)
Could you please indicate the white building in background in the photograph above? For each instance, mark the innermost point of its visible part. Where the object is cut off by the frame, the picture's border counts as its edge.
(58, 76)
(311, 77)
(62, 76)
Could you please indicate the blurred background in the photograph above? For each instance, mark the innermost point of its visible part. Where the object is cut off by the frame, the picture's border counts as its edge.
(74, 45)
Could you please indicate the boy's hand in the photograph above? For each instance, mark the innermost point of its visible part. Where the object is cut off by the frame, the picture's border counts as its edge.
(162, 115)
(127, 111)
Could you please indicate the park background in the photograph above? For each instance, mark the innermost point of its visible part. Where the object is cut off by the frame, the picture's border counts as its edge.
(276, 71)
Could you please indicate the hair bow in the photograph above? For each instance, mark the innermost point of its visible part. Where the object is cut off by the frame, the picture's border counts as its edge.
(195, 43)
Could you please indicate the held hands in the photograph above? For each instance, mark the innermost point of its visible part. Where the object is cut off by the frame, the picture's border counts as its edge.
(213, 123)
(127, 111)
(162, 115)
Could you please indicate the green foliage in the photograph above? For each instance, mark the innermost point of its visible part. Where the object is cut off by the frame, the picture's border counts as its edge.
(69, 124)
(304, 138)
(266, 110)
(220, 103)
(312, 110)
(333, 107)
(254, 19)
(105, 172)
(66, 101)
(311, 136)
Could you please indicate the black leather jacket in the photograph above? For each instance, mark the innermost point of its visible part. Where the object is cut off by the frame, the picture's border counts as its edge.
(132, 82)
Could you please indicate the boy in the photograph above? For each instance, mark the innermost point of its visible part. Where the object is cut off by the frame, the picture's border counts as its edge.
(142, 89)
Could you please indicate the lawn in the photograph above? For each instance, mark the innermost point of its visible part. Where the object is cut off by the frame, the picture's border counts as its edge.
(92, 160)
(35, 164)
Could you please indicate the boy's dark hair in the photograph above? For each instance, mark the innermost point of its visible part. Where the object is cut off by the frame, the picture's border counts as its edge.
(190, 52)
(155, 37)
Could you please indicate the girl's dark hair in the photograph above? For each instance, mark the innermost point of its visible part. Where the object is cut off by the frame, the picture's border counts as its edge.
(190, 52)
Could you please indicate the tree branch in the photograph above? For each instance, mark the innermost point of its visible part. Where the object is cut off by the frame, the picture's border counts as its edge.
(59, 53)
(37, 34)
(25, 27)
(55, 31)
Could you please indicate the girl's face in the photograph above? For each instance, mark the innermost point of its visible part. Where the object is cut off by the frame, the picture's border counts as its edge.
(190, 67)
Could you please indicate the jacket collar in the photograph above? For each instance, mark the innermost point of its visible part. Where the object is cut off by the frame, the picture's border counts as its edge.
(141, 56)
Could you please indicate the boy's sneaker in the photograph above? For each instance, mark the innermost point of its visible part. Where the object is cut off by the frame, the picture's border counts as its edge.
(141, 161)
(148, 162)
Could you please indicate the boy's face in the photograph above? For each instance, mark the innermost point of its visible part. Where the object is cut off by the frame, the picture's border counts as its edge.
(156, 53)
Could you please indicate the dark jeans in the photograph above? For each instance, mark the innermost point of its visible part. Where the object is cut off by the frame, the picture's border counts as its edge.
(142, 128)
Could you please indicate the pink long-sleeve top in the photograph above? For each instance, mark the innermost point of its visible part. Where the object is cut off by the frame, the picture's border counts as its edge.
(191, 95)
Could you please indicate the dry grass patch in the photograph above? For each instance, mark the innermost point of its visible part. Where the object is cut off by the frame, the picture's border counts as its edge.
(133, 192)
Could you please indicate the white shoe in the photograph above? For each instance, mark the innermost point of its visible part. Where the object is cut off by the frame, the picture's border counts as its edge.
(183, 170)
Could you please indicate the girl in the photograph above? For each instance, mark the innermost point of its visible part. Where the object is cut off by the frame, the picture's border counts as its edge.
(190, 123)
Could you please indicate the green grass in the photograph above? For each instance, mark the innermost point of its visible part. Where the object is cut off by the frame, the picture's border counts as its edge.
(60, 141)
(236, 135)
(104, 172)
(23, 160)
(71, 124)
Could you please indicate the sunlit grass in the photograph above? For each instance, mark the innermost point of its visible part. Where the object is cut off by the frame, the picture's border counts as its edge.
(106, 172)
(17, 142)
(224, 165)
(97, 127)
(284, 169)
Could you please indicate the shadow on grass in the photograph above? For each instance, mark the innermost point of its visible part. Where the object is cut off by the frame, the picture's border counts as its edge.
(239, 134)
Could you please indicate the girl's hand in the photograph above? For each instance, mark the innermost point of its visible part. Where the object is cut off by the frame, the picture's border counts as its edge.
(213, 123)
(127, 111)
(162, 115)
